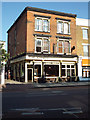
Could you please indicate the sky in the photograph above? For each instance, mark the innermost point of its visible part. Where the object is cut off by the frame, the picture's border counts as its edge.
(11, 11)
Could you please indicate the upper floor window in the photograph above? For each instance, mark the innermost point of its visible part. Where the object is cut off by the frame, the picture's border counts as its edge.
(63, 46)
(38, 45)
(63, 27)
(42, 45)
(42, 24)
(85, 50)
(85, 33)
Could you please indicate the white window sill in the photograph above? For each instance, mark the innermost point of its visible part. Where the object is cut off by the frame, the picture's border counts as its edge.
(85, 38)
(64, 33)
(42, 31)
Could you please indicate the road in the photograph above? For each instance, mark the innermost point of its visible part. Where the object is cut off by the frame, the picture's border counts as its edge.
(64, 102)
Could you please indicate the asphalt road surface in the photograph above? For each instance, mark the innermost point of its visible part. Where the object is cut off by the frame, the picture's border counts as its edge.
(64, 102)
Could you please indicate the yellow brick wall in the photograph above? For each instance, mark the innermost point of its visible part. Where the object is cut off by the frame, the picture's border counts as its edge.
(80, 40)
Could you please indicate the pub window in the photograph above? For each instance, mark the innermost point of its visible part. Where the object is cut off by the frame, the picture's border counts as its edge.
(51, 70)
(37, 71)
(67, 70)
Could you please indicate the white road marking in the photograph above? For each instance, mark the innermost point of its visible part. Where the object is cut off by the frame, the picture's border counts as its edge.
(70, 112)
(57, 91)
(46, 88)
(33, 113)
(37, 111)
(26, 109)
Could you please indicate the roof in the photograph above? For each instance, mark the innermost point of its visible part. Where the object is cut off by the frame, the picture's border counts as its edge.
(44, 55)
(43, 11)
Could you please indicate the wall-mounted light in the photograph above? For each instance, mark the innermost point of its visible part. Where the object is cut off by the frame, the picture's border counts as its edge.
(73, 48)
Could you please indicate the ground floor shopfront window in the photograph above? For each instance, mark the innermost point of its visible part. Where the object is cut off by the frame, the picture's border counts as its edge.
(67, 70)
(86, 72)
(51, 70)
(37, 71)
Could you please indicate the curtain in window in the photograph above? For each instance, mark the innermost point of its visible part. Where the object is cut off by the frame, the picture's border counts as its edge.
(45, 45)
(66, 47)
(60, 47)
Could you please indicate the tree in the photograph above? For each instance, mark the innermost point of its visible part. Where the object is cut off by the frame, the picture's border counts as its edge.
(3, 58)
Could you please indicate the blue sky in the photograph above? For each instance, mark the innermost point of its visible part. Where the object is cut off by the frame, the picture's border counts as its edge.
(11, 10)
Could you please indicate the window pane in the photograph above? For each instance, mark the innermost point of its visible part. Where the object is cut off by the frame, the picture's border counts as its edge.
(60, 47)
(38, 45)
(63, 66)
(37, 70)
(46, 45)
(65, 28)
(45, 25)
(66, 47)
(60, 27)
(72, 72)
(51, 70)
(63, 72)
(72, 66)
(68, 66)
(68, 72)
(85, 34)
(38, 49)
(39, 24)
(85, 50)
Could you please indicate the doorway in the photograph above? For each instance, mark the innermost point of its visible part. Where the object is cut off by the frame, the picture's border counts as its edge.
(30, 75)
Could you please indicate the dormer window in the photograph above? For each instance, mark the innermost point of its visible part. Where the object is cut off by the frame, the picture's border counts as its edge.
(42, 24)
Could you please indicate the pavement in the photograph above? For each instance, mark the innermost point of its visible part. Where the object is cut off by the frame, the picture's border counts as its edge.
(15, 85)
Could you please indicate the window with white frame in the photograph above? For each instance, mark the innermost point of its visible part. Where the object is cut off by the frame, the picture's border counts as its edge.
(38, 45)
(42, 24)
(63, 27)
(85, 50)
(42, 45)
(60, 27)
(68, 70)
(85, 33)
(63, 46)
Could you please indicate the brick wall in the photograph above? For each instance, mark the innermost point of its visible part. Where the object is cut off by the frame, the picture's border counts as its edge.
(53, 30)
(20, 28)
(25, 29)
(80, 40)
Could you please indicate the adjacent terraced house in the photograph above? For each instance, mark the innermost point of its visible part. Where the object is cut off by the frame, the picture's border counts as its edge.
(83, 48)
(42, 44)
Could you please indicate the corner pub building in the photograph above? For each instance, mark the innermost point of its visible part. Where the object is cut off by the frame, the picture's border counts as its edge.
(42, 44)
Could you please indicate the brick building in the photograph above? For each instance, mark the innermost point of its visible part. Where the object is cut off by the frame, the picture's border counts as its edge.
(83, 48)
(42, 43)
